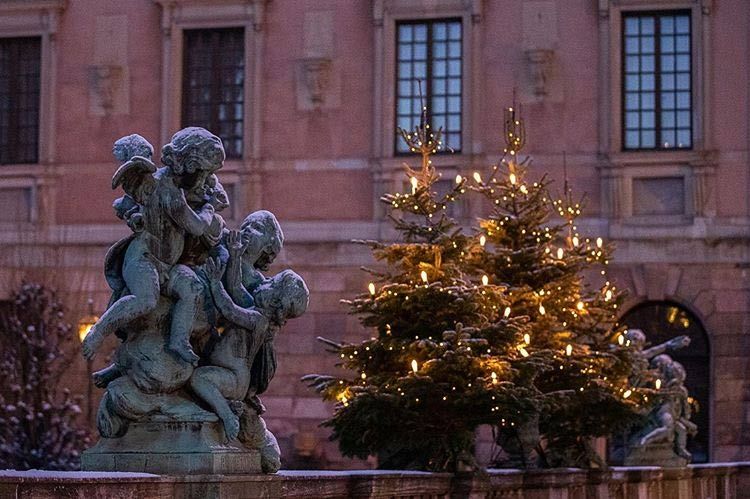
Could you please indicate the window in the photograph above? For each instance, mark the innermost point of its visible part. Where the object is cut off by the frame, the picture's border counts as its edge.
(430, 52)
(662, 321)
(657, 95)
(19, 99)
(213, 84)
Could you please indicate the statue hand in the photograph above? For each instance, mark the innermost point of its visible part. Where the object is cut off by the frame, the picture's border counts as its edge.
(679, 342)
(214, 270)
(236, 243)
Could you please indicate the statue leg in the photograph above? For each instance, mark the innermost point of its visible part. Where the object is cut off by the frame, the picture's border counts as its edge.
(105, 376)
(681, 434)
(212, 384)
(187, 289)
(142, 279)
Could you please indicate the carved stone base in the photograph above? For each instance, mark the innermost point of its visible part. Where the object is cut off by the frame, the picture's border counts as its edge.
(661, 454)
(174, 448)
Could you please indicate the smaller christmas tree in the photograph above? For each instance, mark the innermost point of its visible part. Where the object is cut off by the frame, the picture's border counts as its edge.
(581, 376)
(435, 368)
(39, 421)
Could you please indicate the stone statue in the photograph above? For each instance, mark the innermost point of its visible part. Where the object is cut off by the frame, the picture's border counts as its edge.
(662, 440)
(197, 342)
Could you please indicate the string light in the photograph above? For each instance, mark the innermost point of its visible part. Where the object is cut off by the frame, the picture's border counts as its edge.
(523, 351)
(477, 178)
(424, 276)
(575, 241)
(512, 178)
(579, 305)
(482, 240)
(371, 287)
(414, 366)
(542, 311)
(485, 280)
(658, 384)
(569, 350)
(506, 314)
(527, 338)
(599, 242)
(559, 253)
(620, 339)
(414, 184)
(627, 394)
(459, 179)
(493, 375)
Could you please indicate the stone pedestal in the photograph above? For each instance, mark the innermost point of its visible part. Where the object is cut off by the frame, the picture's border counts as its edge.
(172, 448)
(661, 454)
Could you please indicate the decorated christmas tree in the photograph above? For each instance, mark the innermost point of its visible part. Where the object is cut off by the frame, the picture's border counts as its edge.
(40, 424)
(585, 379)
(436, 366)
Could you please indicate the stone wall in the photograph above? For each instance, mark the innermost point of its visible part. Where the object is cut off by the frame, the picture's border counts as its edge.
(719, 481)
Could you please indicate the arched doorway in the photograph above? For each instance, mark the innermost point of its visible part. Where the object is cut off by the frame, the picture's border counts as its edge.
(663, 320)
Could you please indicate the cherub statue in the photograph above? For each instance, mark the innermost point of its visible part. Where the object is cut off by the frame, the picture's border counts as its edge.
(229, 375)
(671, 419)
(145, 264)
(124, 150)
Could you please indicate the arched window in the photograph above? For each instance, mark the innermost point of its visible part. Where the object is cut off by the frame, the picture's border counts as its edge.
(663, 320)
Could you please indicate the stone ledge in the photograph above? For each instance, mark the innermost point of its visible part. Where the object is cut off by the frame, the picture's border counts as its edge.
(716, 480)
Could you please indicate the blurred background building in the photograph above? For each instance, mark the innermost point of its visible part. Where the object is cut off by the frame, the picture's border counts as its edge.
(643, 104)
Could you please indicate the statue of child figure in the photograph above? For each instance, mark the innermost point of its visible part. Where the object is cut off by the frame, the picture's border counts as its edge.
(146, 264)
(228, 377)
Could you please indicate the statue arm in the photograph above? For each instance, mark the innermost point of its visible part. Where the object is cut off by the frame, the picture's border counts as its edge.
(235, 288)
(194, 223)
(245, 318)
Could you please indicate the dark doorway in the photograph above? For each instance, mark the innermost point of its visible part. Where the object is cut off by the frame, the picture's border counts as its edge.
(663, 320)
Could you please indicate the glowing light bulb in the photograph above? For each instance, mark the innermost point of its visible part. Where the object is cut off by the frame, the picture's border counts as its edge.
(559, 253)
(477, 177)
(579, 305)
(482, 240)
(620, 339)
(523, 351)
(512, 178)
(414, 184)
(459, 179)
(608, 295)
(485, 280)
(363, 376)
(424, 276)
(599, 242)
(568, 349)
(506, 314)
(627, 394)
(658, 384)
(493, 375)
(541, 309)
(371, 287)
(527, 338)
(575, 241)
(414, 366)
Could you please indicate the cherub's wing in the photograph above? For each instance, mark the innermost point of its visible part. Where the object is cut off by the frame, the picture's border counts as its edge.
(136, 177)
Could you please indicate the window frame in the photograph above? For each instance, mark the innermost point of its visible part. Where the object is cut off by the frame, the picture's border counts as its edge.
(386, 15)
(639, 13)
(427, 89)
(180, 15)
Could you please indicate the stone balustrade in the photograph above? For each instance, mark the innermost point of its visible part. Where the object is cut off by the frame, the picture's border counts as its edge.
(717, 481)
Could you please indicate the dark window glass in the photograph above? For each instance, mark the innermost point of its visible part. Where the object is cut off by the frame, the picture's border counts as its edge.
(213, 84)
(430, 52)
(19, 100)
(662, 321)
(657, 93)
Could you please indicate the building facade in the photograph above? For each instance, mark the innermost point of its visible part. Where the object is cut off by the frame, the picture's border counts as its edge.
(641, 104)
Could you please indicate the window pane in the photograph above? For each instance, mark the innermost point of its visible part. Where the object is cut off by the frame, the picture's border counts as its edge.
(19, 99)
(439, 69)
(213, 91)
(656, 73)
